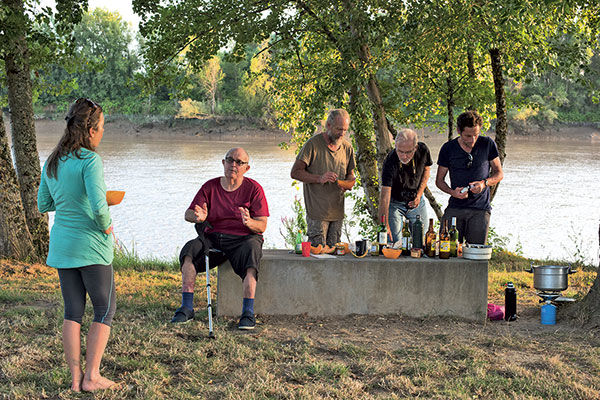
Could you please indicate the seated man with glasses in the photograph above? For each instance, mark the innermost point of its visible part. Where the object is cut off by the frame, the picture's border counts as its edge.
(469, 159)
(237, 210)
(404, 177)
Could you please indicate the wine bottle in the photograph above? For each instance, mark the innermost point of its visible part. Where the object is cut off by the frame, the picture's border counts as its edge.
(453, 239)
(382, 235)
(430, 240)
(445, 242)
(417, 234)
(405, 238)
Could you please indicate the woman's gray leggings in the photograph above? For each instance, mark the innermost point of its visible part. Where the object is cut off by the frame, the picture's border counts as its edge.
(98, 281)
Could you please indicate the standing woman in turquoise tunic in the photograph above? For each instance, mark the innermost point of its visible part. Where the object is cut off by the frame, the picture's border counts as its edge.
(81, 246)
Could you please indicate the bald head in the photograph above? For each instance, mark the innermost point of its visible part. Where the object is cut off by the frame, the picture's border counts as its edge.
(235, 164)
(238, 153)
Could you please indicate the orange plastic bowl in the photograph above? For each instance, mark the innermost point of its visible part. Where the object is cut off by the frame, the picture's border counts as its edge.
(346, 185)
(391, 253)
(114, 197)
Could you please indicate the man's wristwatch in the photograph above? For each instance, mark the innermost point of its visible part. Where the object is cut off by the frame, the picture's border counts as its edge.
(485, 182)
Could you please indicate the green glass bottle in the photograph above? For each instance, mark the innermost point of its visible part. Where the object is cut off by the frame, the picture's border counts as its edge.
(406, 238)
(417, 234)
(453, 239)
(298, 247)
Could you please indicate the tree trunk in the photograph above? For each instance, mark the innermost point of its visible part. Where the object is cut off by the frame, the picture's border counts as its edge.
(501, 117)
(587, 311)
(471, 64)
(366, 160)
(212, 102)
(383, 136)
(15, 240)
(450, 106)
(23, 130)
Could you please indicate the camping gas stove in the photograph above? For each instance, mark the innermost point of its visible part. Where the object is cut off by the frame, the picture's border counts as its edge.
(553, 297)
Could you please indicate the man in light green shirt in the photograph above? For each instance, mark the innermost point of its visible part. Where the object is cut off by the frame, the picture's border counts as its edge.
(323, 160)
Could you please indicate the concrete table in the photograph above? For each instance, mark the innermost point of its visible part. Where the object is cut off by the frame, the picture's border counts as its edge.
(290, 284)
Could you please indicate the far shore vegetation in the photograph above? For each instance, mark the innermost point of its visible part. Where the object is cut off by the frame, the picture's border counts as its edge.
(108, 66)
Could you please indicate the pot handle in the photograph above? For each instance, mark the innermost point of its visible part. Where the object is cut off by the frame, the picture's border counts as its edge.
(530, 270)
(571, 271)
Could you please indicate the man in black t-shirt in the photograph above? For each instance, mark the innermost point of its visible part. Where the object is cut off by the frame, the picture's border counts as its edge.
(404, 178)
(469, 159)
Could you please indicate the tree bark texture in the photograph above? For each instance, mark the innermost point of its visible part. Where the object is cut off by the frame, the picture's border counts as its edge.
(587, 311)
(450, 106)
(23, 129)
(383, 136)
(366, 160)
(501, 113)
(439, 213)
(15, 240)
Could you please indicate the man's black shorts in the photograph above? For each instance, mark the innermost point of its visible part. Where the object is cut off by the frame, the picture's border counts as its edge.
(243, 252)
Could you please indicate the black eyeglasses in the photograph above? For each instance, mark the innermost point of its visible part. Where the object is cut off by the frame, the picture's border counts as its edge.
(232, 160)
(469, 160)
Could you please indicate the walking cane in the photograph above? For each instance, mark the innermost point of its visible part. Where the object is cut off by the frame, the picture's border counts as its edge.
(200, 228)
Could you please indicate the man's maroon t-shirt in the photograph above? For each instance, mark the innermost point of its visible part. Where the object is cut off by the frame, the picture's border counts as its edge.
(223, 207)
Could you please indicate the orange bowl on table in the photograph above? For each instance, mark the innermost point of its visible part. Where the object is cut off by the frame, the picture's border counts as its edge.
(346, 185)
(114, 197)
(391, 253)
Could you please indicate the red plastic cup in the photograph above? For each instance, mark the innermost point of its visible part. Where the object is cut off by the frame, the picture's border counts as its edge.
(305, 249)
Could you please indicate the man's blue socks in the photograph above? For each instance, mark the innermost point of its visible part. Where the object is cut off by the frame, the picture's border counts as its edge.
(248, 305)
(187, 300)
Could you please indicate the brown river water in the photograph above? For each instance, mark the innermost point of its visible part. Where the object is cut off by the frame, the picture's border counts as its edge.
(548, 203)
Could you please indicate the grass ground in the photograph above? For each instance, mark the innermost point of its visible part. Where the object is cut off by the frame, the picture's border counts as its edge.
(355, 357)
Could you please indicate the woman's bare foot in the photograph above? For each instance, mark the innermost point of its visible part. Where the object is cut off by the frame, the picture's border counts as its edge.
(76, 380)
(98, 384)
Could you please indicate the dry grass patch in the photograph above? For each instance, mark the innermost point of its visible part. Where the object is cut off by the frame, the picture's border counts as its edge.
(295, 357)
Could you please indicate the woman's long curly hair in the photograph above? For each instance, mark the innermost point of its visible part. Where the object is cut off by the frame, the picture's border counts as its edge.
(83, 115)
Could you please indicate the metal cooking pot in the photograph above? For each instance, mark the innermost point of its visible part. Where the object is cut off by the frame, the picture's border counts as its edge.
(550, 278)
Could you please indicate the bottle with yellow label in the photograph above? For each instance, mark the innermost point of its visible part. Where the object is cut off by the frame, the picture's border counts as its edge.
(445, 242)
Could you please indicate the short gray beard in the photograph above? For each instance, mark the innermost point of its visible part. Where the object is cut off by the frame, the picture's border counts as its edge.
(333, 140)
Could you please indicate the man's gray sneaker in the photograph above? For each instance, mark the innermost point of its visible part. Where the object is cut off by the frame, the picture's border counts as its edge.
(247, 321)
(182, 315)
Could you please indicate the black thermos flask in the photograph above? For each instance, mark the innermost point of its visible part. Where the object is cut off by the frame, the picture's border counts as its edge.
(510, 302)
